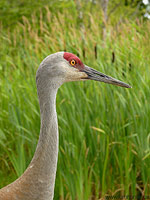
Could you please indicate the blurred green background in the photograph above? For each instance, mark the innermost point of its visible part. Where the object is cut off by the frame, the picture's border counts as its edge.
(104, 145)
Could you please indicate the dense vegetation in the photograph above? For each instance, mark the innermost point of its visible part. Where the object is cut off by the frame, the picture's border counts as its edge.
(104, 145)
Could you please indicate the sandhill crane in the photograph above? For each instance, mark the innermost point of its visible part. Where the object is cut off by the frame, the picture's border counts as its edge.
(38, 180)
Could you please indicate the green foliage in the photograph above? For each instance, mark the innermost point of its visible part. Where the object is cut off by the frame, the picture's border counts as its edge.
(104, 146)
(11, 11)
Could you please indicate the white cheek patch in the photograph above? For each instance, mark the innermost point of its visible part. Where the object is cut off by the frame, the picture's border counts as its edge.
(72, 74)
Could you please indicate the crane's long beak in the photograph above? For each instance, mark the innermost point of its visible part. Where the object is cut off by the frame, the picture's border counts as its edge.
(98, 76)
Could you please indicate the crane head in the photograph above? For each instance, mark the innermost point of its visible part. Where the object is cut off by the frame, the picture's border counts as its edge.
(65, 67)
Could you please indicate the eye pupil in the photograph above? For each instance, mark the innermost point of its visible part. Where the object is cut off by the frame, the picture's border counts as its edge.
(73, 62)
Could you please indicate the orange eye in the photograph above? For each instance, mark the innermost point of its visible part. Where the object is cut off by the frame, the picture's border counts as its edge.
(72, 62)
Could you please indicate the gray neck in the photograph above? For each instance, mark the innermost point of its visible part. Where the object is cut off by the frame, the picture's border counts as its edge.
(44, 162)
(38, 180)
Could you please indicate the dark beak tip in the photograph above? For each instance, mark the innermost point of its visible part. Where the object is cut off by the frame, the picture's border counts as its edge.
(125, 86)
(129, 86)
